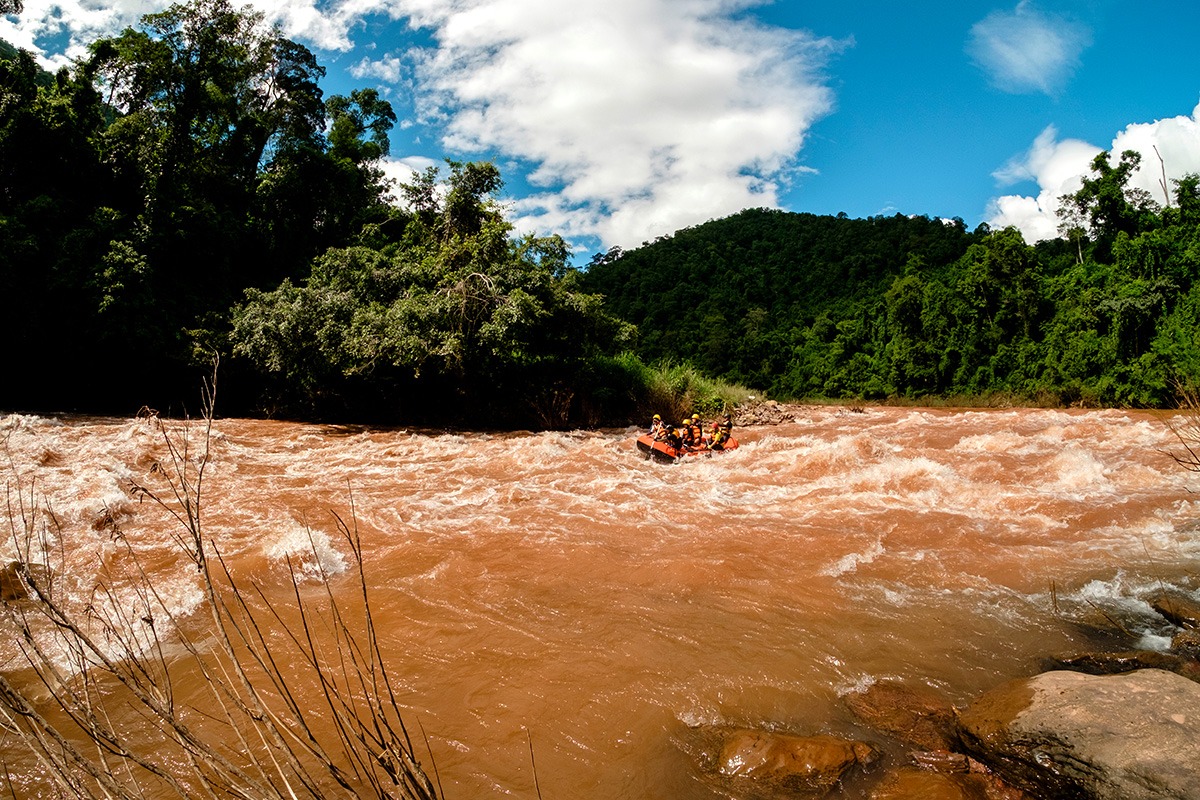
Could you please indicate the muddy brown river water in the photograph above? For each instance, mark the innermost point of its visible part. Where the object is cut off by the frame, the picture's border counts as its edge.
(559, 590)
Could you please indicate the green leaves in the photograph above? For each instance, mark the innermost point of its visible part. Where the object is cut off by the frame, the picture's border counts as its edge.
(453, 312)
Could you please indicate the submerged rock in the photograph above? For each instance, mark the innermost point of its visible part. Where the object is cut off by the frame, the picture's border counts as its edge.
(916, 715)
(1072, 735)
(799, 763)
(911, 783)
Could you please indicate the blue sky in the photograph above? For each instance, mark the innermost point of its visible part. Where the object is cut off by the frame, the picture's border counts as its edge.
(617, 121)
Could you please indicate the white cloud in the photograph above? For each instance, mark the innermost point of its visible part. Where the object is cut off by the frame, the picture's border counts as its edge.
(1024, 51)
(400, 170)
(639, 116)
(1058, 167)
(385, 69)
(635, 117)
(71, 24)
(59, 30)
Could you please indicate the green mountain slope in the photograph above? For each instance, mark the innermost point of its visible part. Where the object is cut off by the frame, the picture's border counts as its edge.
(728, 295)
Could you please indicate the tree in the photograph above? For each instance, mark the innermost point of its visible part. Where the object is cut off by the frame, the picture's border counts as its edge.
(208, 96)
(1108, 203)
(458, 317)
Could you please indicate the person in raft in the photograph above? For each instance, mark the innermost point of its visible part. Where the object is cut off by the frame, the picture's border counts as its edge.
(719, 437)
(697, 431)
(671, 436)
(685, 434)
(721, 433)
(656, 425)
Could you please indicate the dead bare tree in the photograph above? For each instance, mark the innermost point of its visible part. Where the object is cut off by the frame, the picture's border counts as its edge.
(1186, 428)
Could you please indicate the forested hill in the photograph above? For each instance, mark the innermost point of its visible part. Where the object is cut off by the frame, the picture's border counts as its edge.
(809, 306)
(725, 294)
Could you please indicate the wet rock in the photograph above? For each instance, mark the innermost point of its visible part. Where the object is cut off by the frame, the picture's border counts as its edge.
(1113, 628)
(1179, 608)
(1128, 661)
(13, 583)
(766, 412)
(1186, 643)
(798, 763)
(942, 761)
(1072, 735)
(916, 715)
(1114, 663)
(911, 783)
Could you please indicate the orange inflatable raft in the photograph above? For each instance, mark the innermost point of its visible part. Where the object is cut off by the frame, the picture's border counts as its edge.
(663, 452)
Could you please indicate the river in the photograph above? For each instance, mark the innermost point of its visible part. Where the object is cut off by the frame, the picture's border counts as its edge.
(555, 590)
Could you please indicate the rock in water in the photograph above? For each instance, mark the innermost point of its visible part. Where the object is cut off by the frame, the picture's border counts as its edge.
(1179, 608)
(916, 715)
(799, 762)
(1069, 735)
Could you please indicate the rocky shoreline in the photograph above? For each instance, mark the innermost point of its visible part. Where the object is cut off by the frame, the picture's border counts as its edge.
(1120, 725)
(1117, 724)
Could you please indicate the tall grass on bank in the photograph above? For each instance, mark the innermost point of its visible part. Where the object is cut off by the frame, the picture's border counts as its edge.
(670, 389)
(293, 702)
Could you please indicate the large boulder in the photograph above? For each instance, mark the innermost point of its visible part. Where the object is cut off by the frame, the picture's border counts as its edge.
(915, 715)
(1070, 735)
(808, 764)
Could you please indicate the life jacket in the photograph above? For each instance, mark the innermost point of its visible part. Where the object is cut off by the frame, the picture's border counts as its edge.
(698, 433)
(685, 435)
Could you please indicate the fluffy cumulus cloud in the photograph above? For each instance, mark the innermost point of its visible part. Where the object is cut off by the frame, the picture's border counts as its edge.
(1058, 167)
(387, 69)
(60, 30)
(1025, 51)
(638, 117)
(631, 118)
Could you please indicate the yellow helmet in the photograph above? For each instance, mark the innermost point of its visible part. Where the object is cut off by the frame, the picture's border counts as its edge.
(656, 416)
(695, 416)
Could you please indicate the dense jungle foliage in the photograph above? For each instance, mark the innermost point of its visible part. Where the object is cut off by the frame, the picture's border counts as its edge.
(809, 306)
(187, 192)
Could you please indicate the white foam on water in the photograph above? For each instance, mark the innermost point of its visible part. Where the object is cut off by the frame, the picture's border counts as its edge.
(1152, 641)
(1004, 442)
(1076, 470)
(311, 552)
(850, 561)
(857, 685)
